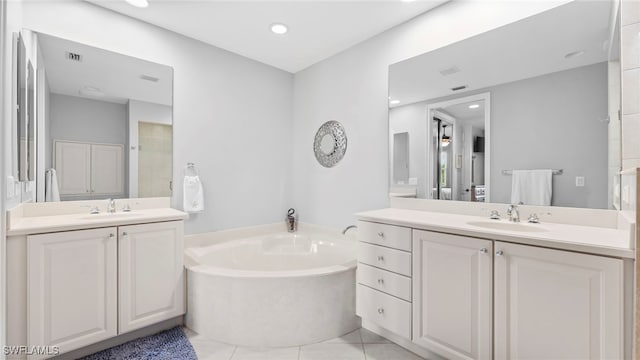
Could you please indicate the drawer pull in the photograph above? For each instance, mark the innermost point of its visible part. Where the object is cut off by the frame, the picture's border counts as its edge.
(124, 233)
(111, 235)
(499, 253)
(381, 281)
(484, 250)
(381, 234)
(380, 311)
(380, 258)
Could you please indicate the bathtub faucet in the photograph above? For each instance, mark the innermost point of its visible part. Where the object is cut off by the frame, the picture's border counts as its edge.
(292, 220)
(348, 228)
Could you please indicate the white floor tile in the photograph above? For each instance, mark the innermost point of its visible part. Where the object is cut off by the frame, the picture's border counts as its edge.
(212, 350)
(243, 353)
(372, 338)
(350, 338)
(325, 351)
(388, 352)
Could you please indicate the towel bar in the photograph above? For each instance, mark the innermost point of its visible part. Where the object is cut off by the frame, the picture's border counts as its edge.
(554, 172)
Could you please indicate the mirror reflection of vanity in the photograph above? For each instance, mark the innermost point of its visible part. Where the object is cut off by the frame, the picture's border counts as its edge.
(106, 124)
(542, 93)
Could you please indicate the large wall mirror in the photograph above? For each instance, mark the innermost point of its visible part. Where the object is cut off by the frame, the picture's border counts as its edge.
(526, 113)
(105, 124)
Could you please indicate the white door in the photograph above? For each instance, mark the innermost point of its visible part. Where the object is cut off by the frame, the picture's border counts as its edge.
(73, 167)
(452, 289)
(552, 304)
(72, 288)
(151, 274)
(107, 169)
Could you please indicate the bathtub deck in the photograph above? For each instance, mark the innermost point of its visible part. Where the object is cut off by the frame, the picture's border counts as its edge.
(358, 345)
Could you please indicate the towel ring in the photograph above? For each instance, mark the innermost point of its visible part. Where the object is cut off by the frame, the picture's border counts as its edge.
(190, 170)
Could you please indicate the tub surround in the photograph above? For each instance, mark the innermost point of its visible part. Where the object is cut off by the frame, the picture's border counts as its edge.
(80, 281)
(271, 288)
(572, 272)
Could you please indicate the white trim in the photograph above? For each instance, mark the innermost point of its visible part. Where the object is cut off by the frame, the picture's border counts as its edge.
(3, 185)
(486, 97)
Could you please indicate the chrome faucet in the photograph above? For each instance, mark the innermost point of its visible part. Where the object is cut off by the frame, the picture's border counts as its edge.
(111, 206)
(348, 228)
(292, 220)
(514, 215)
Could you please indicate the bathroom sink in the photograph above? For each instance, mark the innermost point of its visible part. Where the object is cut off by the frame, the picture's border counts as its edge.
(508, 226)
(104, 216)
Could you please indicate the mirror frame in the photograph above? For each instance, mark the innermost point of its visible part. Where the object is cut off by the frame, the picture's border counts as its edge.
(336, 130)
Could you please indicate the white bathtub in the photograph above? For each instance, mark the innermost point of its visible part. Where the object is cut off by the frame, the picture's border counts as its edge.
(273, 290)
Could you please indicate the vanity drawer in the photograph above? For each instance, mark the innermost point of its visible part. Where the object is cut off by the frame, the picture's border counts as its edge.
(385, 310)
(385, 258)
(396, 237)
(385, 281)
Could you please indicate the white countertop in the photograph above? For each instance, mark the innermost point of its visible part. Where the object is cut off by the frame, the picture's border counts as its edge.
(588, 239)
(55, 223)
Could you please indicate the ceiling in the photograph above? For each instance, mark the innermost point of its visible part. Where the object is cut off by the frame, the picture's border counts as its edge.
(464, 115)
(528, 48)
(113, 77)
(317, 29)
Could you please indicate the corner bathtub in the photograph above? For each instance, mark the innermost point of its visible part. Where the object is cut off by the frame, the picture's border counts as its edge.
(273, 290)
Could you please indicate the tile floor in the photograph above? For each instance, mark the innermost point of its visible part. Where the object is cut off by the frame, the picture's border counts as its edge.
(358, 345)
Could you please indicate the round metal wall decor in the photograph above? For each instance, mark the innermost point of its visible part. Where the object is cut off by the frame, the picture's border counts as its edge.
(330, 143)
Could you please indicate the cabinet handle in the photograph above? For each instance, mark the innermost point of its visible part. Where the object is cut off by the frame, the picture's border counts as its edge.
(499, 253)
(484, 250)
(380, 258)
(124, 233)
(111, 235)
(381, 234)
(380, 310)
(381, 281)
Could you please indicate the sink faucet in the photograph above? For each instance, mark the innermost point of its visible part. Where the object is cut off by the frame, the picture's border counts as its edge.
(292, 220)
(111, 206)
(348, 228)
(514, 215)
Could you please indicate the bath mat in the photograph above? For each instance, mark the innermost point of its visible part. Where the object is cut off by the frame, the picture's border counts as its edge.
(168, 345)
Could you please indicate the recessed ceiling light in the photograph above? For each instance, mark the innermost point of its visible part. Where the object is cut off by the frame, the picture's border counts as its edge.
(138, 3)
(394, 102)
(279, 29)
(474, 106)
(574, 54)
(91, 91)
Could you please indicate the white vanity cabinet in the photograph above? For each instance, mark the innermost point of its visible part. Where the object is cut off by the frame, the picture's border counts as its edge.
(452, 298)
(89, 285)
(150, 274)
(538, 303)
(553, 304)
(72, 288)
(383, 292)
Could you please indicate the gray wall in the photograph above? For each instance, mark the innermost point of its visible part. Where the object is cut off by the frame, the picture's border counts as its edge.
(551, 121)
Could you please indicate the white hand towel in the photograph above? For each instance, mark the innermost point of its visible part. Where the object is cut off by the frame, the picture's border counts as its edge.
(193, 196)
(531, 187)
(51, 190)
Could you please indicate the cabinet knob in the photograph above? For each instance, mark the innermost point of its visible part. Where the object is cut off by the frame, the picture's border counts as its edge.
(381, 281)
(484, 250)
(381, 234)
(124, 233)
(380, 258)
(380, 310)
(499, 253)
(111, 235)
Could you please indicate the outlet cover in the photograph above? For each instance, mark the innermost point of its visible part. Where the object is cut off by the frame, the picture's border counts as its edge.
(579, 181)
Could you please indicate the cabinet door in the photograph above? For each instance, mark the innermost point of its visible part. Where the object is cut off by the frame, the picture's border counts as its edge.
(107, 170)
(72, 288)
(73, 167)
(553, 304)
(452, 304)
(151, 274)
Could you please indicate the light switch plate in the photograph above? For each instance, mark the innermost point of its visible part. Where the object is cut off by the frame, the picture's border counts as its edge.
(579, 181)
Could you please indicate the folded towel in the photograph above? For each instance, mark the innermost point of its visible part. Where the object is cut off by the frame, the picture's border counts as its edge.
(531, 187)
(51, 190)
(193, 196)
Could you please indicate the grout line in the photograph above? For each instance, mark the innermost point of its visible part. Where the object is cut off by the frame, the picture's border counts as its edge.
(362, 343)
(299, 351)
(234, 352)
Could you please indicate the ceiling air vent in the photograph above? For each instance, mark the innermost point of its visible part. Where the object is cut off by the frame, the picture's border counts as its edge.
(458, 88)
(73, 56)
(149, 78)
(449, 71)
